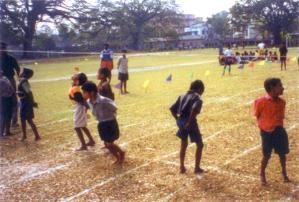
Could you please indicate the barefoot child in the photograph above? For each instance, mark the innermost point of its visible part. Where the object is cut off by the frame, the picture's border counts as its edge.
(123, 74)
(185, 110)
(269, 111)
(104, 110)
(104, 87)
(27, 103)
(80, 109)
(6, 105)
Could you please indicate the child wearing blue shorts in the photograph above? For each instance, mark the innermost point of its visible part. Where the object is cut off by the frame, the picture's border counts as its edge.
(185, 110)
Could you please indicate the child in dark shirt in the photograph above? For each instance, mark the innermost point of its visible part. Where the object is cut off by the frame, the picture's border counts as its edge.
(185, 110)
(27, 103)
(104, 87)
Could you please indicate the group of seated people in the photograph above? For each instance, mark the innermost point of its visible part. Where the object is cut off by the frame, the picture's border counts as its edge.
(247, 56)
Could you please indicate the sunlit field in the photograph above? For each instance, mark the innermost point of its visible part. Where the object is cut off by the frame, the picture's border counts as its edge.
(51, 170)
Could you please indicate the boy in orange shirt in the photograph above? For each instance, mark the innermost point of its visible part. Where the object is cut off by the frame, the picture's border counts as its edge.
(269, 111)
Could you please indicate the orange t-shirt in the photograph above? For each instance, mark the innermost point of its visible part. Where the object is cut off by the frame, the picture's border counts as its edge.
(73, 90)
(269, 112)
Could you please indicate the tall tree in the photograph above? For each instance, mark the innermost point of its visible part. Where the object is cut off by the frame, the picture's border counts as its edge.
(24, 15)
(274, 16)
(136, 18)
(219, 27)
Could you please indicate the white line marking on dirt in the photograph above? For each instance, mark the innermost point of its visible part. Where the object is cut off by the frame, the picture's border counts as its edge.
(251, 149)
(101, 183)
(133, 70)
(199, 177)
(33, 173)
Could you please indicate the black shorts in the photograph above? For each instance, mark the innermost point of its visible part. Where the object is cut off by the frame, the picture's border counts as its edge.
(193, 131)
(108, 131)
(123, 76)
(7, 107)
(277, 140)
(26, 111)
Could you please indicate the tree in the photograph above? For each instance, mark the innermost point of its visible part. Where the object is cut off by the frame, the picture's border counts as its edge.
(23, 16)
(138, 18)
(219, 27)
(274, 16)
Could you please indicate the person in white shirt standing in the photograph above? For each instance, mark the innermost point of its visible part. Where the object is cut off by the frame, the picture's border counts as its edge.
(123, 74)
(228, 59)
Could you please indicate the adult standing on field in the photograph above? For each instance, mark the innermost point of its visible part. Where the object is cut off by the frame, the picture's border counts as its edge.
(107, 59)
(10, 67)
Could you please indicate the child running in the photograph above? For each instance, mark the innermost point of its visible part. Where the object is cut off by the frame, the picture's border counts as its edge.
(185, 110)
(27, 103)
(104, 87)
(270, 112)
(104, 109)
(80, 111)
(123, 74)
(6, 105)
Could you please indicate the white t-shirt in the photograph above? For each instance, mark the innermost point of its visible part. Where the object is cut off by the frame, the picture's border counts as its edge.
(80, 116)
(228, 53)
(261, 45)
(123, 65)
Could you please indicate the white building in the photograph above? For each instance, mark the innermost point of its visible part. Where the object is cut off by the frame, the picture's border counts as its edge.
(199, 29)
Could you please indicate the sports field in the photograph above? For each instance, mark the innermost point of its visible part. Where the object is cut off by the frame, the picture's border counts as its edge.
(51, 170)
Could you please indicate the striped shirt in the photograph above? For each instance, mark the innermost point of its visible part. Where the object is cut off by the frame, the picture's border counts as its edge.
(186, 103)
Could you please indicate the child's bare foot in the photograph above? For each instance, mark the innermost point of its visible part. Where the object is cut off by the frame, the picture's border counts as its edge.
(90, 143)
(286, 179)
(23, 139)
(182, 169)
(37, 138)
(126, 92)
(263, 180)
(198, 171)
(82, 148)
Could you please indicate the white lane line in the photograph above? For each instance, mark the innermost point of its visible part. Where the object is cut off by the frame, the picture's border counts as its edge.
(33, 173)
(251, 149)
(212, 168)
(294, 196)
(101, 182)
(124, 144)
(133, 70)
